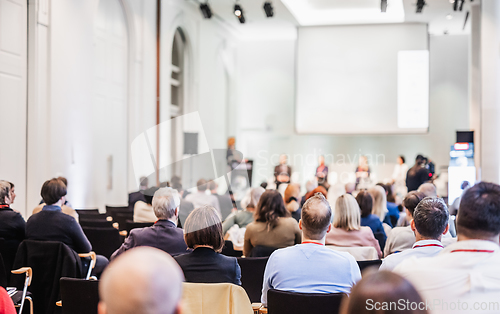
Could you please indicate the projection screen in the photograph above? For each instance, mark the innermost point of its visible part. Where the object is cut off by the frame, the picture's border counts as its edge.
(362, 79)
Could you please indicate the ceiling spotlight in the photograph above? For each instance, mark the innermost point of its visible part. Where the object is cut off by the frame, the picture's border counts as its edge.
(205, 10)
(420, 5)
(383, 6)
(268, 8)
(238, 11)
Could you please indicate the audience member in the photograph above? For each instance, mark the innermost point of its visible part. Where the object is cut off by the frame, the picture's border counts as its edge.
(243, 217)
(273, 227)
(417, 175)
(383, 293)
(164, 234)
(380, 204)
(225, 202)
(310, 185)
(347, 230)
(6, 304)
(310, 267)
(143, 211)
(12, 225)
(291, 198)
(282, 172)
(392, 208)
(318, 189)
(12, 192)
(139, 195)
(66, 207)
(201, 198)
(365, 202)
(428, 189)
(466, 271)
(186, 207)
(52, 225)
(456, 203)
(141, 281)
(203, 234)
(430, 222)
(403, 238)
(350, 188)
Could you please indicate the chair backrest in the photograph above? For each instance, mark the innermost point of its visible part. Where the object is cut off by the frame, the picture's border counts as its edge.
(95, 223)
(262, 251)
(202, 298)
(79, 296)
(3, 274)
(104, 240)
(50, 261)
(121, 219)
(113, 210)
(360, 253)
(252, 276)
(93, 216)
(93, 211)
(394, 221)
(284, 302)
(368, 264)
(381, 238)
(130, 224)
(229, 250)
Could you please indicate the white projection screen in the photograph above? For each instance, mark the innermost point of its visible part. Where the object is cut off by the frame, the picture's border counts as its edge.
(362, 79)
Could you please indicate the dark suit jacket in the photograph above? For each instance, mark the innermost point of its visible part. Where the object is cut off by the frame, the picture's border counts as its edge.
(278, 172)
(163, 235)
(185, 208)
(12, 226)
(204, 265)
(134, 198)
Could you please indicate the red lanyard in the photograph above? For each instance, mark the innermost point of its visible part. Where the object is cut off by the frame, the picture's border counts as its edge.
(312, 242)
(417, 246)
(4, 206)
(474, 251)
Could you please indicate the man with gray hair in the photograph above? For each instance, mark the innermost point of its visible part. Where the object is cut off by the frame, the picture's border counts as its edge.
(164, 234)
(429, 223)
(141, 281)
(310, 267)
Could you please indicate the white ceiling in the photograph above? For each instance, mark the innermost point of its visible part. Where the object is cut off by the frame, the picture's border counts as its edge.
(283, 24)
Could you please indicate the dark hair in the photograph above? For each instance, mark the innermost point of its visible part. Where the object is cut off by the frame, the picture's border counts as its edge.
(4, 191)
(431, 217)
(149, 193)
(264, 185)
(386, 288)
(64, 180)
(176, 183)
(479, 211)
(203, 226)
(419, 159)
(412, 199)
(212, 185)
(388, 191)
(53, 190)
(202, 185)
(11, 185)
(365, 202)
(402, 158)
(270, 208)
(316, 217)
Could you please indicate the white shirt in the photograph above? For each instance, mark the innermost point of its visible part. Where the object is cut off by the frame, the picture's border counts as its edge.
(398, 240)
(467, 272)
(201, 198)
(399, 173)
(423, 248)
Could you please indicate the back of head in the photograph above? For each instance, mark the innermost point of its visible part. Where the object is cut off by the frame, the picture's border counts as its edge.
(316, 217)
(148, 194)
(365, 202)
(379, 201)
(292, 192)
(4, 191)
(203, 226)
(53, 190)
(347, 213)
(311, 185)
(319, 189)
(165, 201)
(431, 217)
(429, 189)
(419, 160)
(479, 212)
(212, 185)
(143, 183)
(350, 187)
(412, 199)
(270, 208)
(251, 199)
(385, 288)
(64, 180)
(176, 183)
(143, 280)
(201, 185)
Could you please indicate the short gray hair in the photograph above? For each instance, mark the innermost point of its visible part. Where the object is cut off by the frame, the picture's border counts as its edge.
(165, 201)
(4, 191)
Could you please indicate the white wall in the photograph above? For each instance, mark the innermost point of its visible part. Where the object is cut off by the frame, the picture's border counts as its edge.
(266, 116)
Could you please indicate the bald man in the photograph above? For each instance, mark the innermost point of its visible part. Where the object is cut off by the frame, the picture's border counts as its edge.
(143, 280)
(315, 268)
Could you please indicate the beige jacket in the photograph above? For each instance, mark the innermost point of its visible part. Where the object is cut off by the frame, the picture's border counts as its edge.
(65, 209)
(209, 298)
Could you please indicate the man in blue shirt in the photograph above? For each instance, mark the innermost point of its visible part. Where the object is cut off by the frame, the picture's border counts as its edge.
(310, 267)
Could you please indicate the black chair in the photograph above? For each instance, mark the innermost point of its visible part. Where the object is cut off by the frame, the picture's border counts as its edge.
(394, 221)
(283, 302)
(114, 210)
(100, 217)
(367, 264)
(381, 238)
(79, 296)
(121, 219)
(8, 251)
(104, 240)
(93, 211)
(95, 223)
(130, 224)
(262, 251)
(229, 250)
(252, 276)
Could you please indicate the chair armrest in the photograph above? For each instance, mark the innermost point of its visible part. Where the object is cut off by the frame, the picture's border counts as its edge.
(258, 308)
(90, 254)
(263, 310)
(59, 303)
(123, 233)
(27, 270)
(109, 218)
(115, 225)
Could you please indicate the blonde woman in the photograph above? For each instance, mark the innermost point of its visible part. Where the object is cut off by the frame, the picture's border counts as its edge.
(380, 203)
(346, 227)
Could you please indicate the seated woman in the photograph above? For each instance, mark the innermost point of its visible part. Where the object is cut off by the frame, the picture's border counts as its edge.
(380, 205)
(243, 217)
(143, 211)
(291, 198)
(203, 233)
(365, 202)
(273, 227)
(346, 229)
